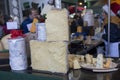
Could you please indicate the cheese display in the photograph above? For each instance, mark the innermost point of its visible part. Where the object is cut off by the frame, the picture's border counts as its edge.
(89, 62)
(49, 56)
(4, 41)
(57, 25)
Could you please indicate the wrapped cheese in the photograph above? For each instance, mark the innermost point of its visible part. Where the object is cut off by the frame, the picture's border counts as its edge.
(17, 54)
(49, 56)
(57, 25)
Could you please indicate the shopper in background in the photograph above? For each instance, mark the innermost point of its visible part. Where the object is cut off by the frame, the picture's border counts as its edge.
(1, 25)
(7, 18)
(114, 34)
(114, 23)
(33, 13)
(74, 24)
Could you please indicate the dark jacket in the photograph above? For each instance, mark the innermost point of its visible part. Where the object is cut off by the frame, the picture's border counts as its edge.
(114, 33)
(24, 25)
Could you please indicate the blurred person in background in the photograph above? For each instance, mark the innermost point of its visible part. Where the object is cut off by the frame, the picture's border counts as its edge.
(33, 13)
(7, 18)
(1, 25)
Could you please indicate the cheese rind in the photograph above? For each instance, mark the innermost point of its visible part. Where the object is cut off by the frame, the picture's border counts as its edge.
(1, 46)
(49, 56)
(57, 25)
(4, 41)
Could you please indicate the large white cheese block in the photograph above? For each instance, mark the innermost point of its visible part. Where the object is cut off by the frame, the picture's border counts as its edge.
(57, 25)
(49, 56)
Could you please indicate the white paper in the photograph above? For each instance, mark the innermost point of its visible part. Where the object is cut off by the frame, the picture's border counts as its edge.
(29, 26)
(18, 56)
(41, 32)
(12, 25)
(58, 4)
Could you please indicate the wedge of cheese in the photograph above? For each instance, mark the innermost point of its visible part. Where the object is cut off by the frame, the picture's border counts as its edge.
(99, 63)
(1, 46)
(76, 64)
(4, 41)
(57, 25)
(49, 56)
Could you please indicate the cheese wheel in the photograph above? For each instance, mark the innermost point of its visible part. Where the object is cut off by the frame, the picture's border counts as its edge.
(4, 41)
(1, 46)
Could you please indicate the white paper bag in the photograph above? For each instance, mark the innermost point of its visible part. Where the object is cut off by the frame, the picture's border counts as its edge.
(18, 56)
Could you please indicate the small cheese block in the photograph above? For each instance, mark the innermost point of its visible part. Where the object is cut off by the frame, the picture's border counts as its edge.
(88, 58)
(76, 64)
(4, 41)
(108, 63)
(99, 61)
(49, 56)
(57, 25)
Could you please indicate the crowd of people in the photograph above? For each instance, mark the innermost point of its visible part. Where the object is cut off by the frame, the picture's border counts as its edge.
(3, 26)
(76, 21)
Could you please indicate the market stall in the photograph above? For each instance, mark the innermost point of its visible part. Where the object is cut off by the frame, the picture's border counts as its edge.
(48, 57)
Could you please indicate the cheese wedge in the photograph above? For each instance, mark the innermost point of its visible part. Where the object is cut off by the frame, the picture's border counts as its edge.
(4, 41)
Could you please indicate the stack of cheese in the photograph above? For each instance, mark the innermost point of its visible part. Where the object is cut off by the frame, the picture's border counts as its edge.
(52, 55)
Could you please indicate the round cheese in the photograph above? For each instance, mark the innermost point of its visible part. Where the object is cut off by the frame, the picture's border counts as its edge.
(4, 41)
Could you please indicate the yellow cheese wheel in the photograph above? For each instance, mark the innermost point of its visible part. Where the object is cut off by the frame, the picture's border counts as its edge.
(4, 41)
